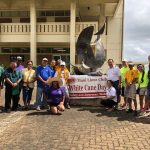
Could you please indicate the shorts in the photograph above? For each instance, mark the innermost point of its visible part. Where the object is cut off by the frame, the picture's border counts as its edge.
(143, 91)
(130, 92)
(53, 104)
(148, 94)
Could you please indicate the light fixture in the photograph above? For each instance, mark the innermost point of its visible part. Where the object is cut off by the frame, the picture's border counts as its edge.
(61, 50)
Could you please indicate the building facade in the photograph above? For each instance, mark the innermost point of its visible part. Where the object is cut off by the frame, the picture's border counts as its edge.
(35, 29)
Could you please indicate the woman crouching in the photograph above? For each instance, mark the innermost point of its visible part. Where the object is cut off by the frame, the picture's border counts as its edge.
(56, 95)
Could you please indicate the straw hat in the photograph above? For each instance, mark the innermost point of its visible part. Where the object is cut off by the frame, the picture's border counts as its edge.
(55, 79)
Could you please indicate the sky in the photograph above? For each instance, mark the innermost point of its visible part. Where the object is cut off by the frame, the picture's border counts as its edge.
(137, 30)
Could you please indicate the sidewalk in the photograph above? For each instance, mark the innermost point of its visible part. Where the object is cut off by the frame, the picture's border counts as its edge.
(80, 128)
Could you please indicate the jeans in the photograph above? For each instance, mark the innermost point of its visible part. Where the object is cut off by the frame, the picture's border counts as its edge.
(27, 95)
(40, 99)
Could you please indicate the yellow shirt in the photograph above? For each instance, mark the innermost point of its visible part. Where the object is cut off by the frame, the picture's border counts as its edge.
(28, 75)
(131, 75)
(57, 68)
(63, 74)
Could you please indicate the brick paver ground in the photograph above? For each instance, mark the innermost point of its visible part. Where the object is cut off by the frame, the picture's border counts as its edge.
(77, 129)
(80, 128)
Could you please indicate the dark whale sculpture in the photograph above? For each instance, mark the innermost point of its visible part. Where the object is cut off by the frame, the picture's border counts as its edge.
(89, 59)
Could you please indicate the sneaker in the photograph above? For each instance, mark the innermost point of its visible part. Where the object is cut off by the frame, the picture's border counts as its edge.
(142, 114)
(148, 110)
(68, 106)
(38, 108)
(7, 110)
(135, 113)
(130, 111)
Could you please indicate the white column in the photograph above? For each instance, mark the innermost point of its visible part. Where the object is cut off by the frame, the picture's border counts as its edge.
(33, 44)
(72, 31)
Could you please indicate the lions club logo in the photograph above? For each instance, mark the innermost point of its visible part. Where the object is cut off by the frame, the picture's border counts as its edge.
(71, 80)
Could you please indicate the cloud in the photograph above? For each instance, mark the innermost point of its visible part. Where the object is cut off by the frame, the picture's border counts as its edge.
(137, 30)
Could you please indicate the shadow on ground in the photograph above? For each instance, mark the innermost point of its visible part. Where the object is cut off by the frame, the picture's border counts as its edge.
(121, 115)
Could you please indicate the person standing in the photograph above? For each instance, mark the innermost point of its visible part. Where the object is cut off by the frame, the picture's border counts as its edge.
(147, 105)
(43, 73)
(123, 71)
(1, 78)
(12, 79)
(52, 66)
(64, 74)
(113, 74)
(20, 67)
(57, 65)
(131, 78)
(28, 76)
(142, 86)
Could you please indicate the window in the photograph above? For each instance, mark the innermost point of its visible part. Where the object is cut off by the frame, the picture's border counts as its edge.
(54, 13)
(15, 50)
(25, 14)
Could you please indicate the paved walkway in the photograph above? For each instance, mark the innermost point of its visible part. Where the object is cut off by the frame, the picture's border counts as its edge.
(81, 128)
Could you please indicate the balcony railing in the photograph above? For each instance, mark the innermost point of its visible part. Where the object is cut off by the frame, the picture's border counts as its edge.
(45, 28)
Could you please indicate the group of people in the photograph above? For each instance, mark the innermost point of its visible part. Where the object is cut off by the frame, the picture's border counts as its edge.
(52, 91)
(128, 81)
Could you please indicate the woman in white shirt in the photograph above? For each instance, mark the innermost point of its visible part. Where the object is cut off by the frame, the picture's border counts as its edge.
(110, 100)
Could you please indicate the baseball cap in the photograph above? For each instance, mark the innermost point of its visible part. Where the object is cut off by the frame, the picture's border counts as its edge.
(63, 63)
(131, 64)
(19, 58)
(45, 59)
(124, 60)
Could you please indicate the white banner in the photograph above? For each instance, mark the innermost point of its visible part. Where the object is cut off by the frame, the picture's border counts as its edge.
(83, 86)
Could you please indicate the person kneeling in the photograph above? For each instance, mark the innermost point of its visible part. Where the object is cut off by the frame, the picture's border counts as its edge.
(56, 95)
(110, 101)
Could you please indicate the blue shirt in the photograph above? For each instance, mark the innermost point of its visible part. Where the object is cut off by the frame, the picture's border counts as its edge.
(56, 94)
(53, 71)
(44, 73)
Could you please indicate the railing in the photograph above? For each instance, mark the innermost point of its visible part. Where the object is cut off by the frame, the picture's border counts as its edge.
(45, 28)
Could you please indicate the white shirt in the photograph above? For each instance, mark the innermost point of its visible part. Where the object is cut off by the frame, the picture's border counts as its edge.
(62, 76)
(112, 92)
(146, 67)
(113, 73)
